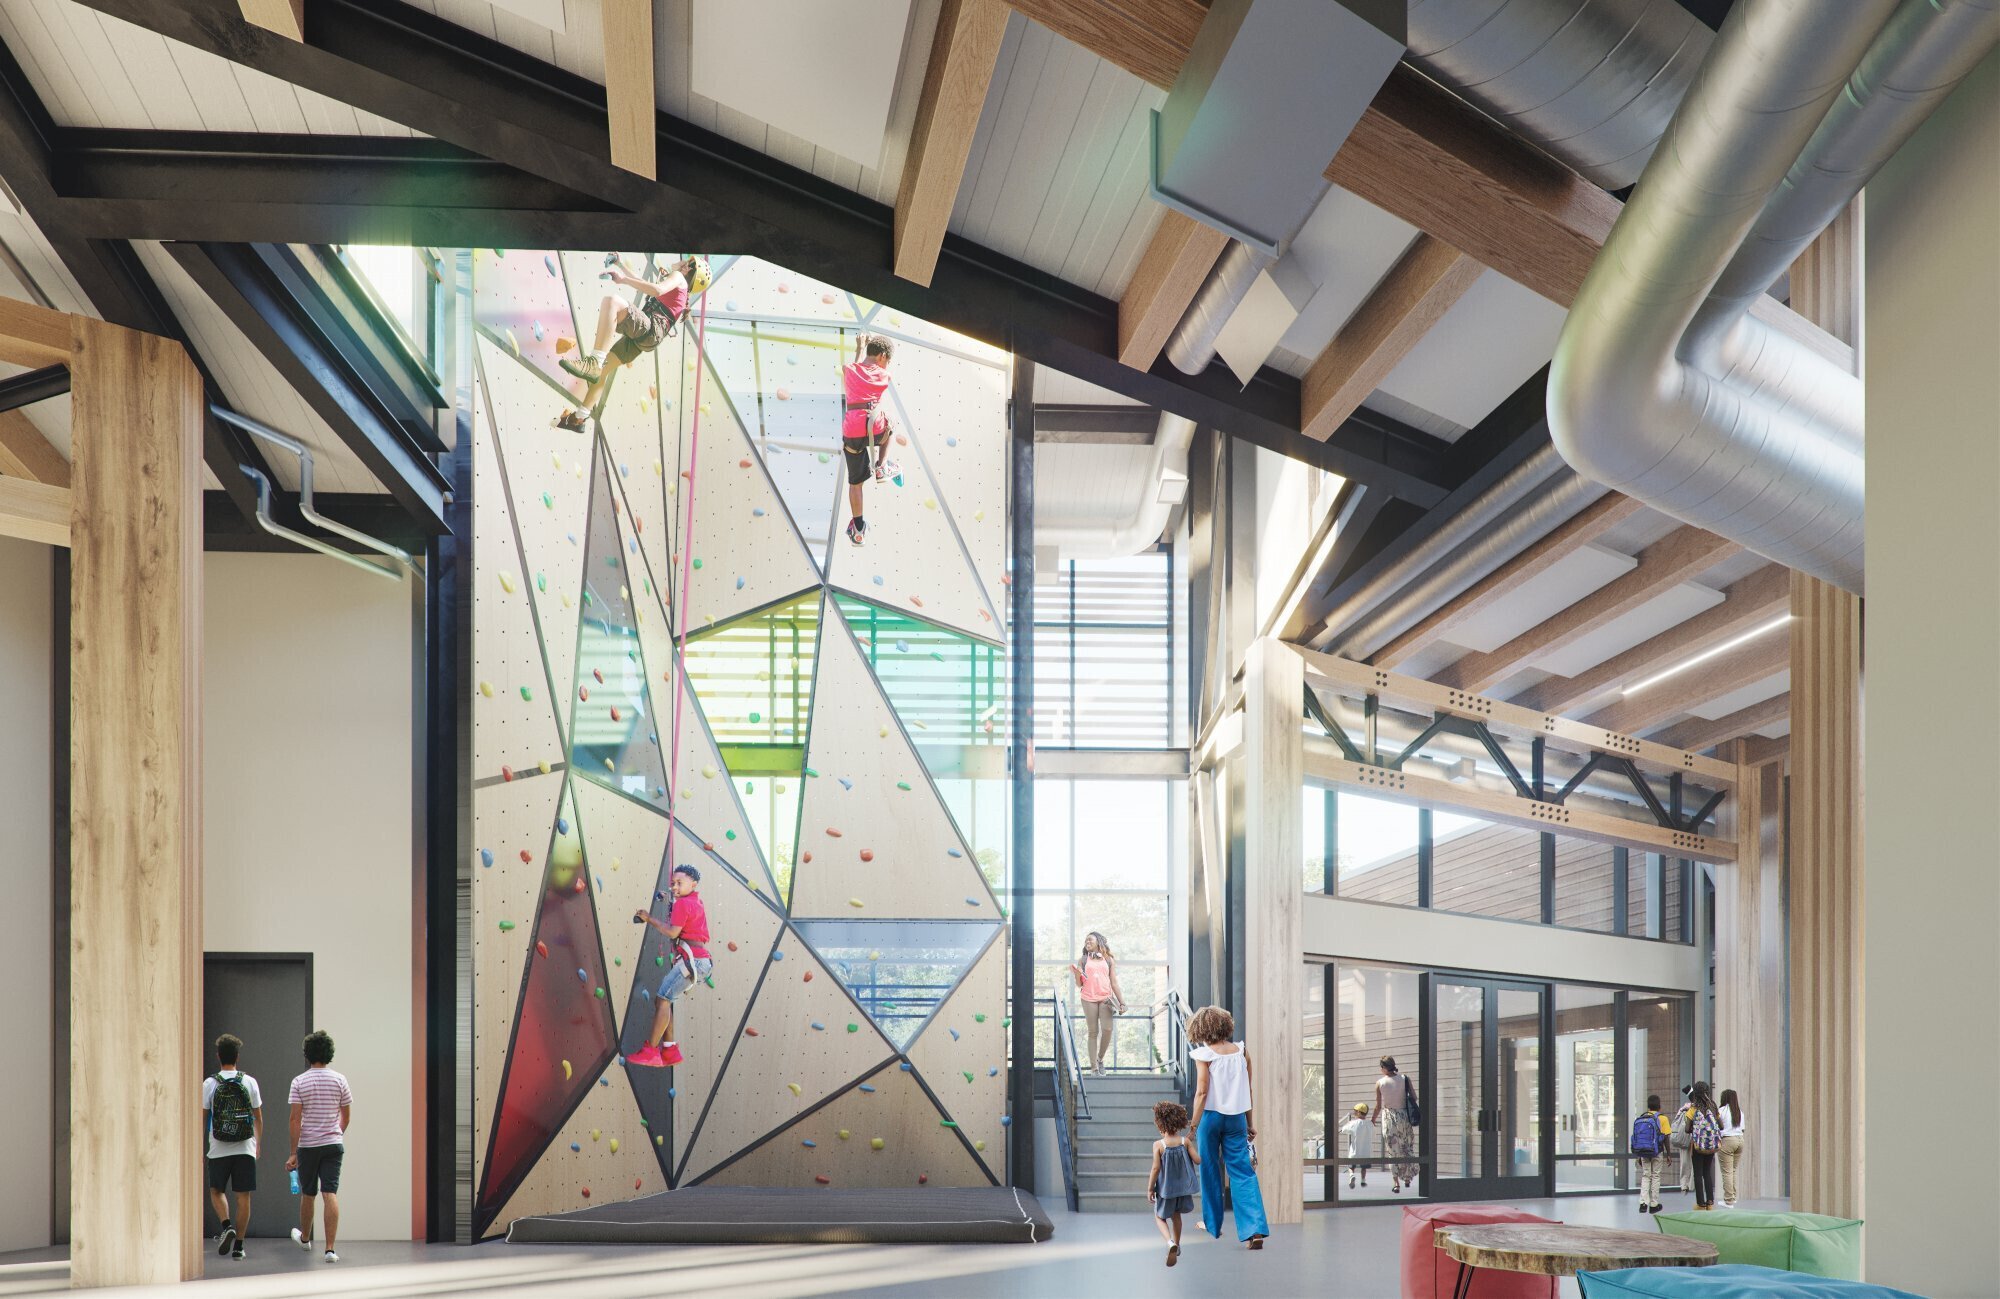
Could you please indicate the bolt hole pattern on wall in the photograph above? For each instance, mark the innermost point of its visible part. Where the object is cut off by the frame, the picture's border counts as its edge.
(812, 758)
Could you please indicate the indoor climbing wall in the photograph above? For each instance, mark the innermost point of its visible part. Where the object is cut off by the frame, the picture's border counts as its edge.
(680, 659)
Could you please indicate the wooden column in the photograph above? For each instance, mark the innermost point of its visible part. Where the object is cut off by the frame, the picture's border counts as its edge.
(1273, 1020)
(1750, 971)
(1826, 955)
(135, 819)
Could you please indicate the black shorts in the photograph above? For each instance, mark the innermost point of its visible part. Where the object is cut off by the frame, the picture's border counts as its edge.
(861, 465)
(237, 1172)
(319, 1169)
(639, 332)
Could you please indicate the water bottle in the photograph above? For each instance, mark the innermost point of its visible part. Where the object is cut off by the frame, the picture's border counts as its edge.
(295, 1181)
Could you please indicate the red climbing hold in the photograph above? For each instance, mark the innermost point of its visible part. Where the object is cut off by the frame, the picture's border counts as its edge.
(506, 773)
(867, 854)
(541, 949)
(901, 440)
(743, 464)
(614, 712)
(823, 1179)
(708, 847)
(922, 1178)
(638, 524)
(599, 674)
(580, 883)
(808, 978)
(917, 600)
(526, 856)
(806, 856)
(586, 1195)
(749, 1032)
(732, 945)
(832, 833)
(635, 1183)
(583, 693)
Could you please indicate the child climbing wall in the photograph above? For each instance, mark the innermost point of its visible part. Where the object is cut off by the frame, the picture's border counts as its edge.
(605, 546)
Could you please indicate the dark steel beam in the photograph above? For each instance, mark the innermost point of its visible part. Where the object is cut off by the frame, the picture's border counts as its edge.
(1021, 772)
(1097, 425)
(224, 529)
(242, 284)
(33, 386)
(107, 270)
(542, 122)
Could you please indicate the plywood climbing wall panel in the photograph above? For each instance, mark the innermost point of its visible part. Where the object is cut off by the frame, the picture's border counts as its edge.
(602, 1153)
(881, 842)
(630, 426)
(956, 411)
(751, 287)
(624, 847)
(514, 825)
(547, 474)
(804, 1039)
(962, 1056)
(524, 305)
(836, 1145)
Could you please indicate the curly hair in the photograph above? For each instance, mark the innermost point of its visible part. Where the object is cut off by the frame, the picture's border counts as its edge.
(1170, 1117)
(1211, 1024)
(880, 346)
(319, 1047)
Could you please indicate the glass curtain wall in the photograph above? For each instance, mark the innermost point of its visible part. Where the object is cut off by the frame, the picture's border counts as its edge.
(1368, 849)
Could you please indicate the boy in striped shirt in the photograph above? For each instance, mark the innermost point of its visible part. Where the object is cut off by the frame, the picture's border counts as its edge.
(321, 1108)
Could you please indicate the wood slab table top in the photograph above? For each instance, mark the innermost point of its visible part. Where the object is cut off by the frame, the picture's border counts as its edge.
(1552, 1249)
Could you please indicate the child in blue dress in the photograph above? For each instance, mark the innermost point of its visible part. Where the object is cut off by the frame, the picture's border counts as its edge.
(1171, 1185)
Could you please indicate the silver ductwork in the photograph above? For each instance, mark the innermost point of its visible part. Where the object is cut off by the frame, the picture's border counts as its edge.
(1683, 400)
(1192, 344)
(1594, 83)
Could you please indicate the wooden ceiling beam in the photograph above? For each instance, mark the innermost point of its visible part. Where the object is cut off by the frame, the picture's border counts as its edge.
(34, 511)
(1746, 605)
(1169, 274)
(285, 17)
(960, 72)
(1658, 704)
(1698, 733)
(1586, 526)
(629, 100)
(1676, 557)
(1411, 298)
(25, 453)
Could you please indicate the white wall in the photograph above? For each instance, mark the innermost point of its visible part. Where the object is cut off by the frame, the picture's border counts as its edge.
(308, 822)
(26, 1022)
(1932, 893)
(1373, 931)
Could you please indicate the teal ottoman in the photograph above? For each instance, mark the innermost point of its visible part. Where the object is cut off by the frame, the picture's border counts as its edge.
(1795, 1242)
(1725, 1281)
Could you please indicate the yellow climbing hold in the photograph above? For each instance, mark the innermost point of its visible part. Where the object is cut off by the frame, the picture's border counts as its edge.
(543, 766)
(794, 1088)
(979, 1145)
(874, 956)
(486, 688)
(843, 1134)
(930, 502)
(567, 1071)
(708, 773)
(979, 516)
(596, 1133)
(884, 732)
(658, 469)
(854, 902)
(555, 460)
(614, 1145)
(507, 583)
(565, 601)
(610, 766)
(614, 863)
(875, 1143)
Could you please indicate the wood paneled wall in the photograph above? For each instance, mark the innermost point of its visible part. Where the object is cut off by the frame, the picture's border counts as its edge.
(1826, 953)
(1274, 1014)
(135, 772)
(1750, 975)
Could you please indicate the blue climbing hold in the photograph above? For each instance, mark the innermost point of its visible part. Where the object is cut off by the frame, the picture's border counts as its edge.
(954, 852)
(582, 975)
(818, 1027)
(562, 826)
(866, 1087)
(953, 1032)
(729, 305)
(777, 956)
(791, 358)
(574, 1146)
(845, 783)
(603, 1082)
(739, 584)
(624, 470)
(485, 856)
(756, 511)
(550, 263)
(951, 442)
(810, 1145)
(902, 647)
(905, 1066)
(878, 579)
(1006, 1120)
(600, 884)
(674, 1091)
(540, 333)
(972, 902)
(993, 1072)
(572, 538)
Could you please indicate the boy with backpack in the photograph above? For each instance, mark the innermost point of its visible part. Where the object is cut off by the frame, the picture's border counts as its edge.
(234, 1110)
(1649, 1150)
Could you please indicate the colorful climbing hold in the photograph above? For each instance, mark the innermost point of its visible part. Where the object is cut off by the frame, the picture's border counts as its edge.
(567, 1071)
(485, 856)
(867, 854)
(541, 949)
(832, 833)
(808, 979)
(972, 902)
(856, 1028)
(823, 1179)
(528, 693)
(574, 1146)
(507, 582)
(952, 1031)
(739, 583)
(854, 902)
(967, 1073)
(903, 785)
(732, 944)
(867, 1087)
(506, 926)
(875, 1143)
(922, 1178)
(486, 688)
(944, 1123)
(877, 579)
(614, 1145)
(794, 1089)
(818, 1027)
(845, 783)
(979, 1017)
(1006, 1120)
(526, 856)
(809, 1145)
(953, 852)
(749, 1032)
(697, 562)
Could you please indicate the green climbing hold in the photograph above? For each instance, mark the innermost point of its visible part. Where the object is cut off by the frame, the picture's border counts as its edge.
(708, 979)
(527, 692)
(659, 960)
(854, 1028)
(697, 561)
(729, 834)
(979, 1018)
(506, 926)
(618, 960)
(548, 500)
(967, 1073)
(645, 1123)
(946, 1123)
(541, 581)
(903, 785)
(600, 994)
(812, 773)
(1007, 1022)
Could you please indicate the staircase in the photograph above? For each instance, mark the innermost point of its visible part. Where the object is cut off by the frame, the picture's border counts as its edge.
(1114, 1146)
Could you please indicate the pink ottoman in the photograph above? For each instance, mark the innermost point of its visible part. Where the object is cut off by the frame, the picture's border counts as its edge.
(1430, 1273)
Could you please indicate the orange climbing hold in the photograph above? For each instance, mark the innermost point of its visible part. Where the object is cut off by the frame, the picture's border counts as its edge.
(526, 856)
(749, 1032)
(806, 856)
(614, 712)
(867, 854)
(832, 833)
(823, 1179)
(732, 945)
(636, 1183)
(506, 773)
(808, 978)
(541, 949)
(917, 600)
(743, 463)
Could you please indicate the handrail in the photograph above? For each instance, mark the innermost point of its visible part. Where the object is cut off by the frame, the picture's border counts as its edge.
(1068, 1091)
(1181, 1064)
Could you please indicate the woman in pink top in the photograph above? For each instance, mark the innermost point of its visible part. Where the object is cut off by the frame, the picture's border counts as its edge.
(1097, 975)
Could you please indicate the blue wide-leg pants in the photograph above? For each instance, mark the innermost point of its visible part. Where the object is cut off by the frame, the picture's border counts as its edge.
(1225, 1142)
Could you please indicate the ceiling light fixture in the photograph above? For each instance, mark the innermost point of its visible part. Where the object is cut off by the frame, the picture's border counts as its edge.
(1708, 654)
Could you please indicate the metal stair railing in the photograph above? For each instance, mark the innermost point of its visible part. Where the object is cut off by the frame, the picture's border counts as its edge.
(1069, 1094)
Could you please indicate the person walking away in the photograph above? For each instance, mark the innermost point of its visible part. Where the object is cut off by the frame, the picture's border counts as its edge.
(322, 1106)
(1225, 1125)
(1729, 1154)
(1096, 974)
(1360, 1134)
(863, 425)
(686, 932)
(233, 1108)
(1650, 1132)
(1399, 1139)
(1171, 1185)
(1679, 1141)
(660, 301)
(1704, 1138)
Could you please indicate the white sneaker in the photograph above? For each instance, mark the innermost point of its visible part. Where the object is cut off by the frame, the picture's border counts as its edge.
(332, 1257)
(300, 1239)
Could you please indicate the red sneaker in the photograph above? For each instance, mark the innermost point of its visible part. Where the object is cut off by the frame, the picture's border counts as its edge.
(646, 1059)
(669, 1053)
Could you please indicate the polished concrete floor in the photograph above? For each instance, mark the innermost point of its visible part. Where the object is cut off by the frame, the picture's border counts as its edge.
(1335, 1254)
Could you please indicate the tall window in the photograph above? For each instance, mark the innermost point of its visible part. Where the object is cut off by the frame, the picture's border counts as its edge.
(1110, 661)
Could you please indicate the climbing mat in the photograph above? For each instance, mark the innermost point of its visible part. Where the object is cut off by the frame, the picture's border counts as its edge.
(787, 1215)
(832, 754)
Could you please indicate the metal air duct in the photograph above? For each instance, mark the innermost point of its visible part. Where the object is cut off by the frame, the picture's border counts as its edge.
(1142, 525)
(1686, 402)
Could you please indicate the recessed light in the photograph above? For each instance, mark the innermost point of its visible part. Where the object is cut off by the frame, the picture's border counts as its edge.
(1707, 654)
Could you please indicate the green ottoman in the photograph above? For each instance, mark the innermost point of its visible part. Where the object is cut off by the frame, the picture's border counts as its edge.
(1794, 1242)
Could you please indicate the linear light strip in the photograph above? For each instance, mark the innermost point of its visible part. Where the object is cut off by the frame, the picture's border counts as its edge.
(1708, 654)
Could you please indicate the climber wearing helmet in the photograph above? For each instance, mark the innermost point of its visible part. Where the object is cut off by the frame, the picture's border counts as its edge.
(641, 325)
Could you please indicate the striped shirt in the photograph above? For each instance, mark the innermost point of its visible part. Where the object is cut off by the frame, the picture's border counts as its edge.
(321, 1092)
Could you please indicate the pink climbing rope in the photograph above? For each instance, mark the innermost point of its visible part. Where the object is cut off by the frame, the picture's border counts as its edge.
(681, 596)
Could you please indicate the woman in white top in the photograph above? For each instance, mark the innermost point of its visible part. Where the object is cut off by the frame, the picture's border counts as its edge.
(1730, 1152)
(1225, 1126)
(1399, 1139)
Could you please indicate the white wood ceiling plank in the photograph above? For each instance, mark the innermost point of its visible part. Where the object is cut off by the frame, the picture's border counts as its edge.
(1105, 224)
(326, 116)
(85, 53)
(473, 15)
(673, 36)
(1037, 170)
(1016, 98)
(211, 85)
(1088, 161)
(274, 104)
(982, 137)
(143, 60)
(525, 35)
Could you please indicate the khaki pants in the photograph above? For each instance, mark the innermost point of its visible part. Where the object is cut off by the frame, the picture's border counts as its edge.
(1097, 1021)
(1649, 1178)
(1728, 1156)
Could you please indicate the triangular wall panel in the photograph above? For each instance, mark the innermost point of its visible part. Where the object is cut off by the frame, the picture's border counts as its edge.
(754, 287)
(916, 1148)
(630, 424)
(962, 1056)
(523, 304)
(602, 1154)
(957, 410)
(880, 841)
(547, 478)
(899, 971)
(624, 847)
(802, 1032)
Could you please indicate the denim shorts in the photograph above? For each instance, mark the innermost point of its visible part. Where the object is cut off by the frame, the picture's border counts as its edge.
(677, 980)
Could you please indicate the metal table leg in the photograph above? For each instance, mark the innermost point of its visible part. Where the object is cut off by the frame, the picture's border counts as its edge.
(1463, 1288)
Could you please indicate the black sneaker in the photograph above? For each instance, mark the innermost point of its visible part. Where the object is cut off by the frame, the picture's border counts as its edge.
(1645, 1208)
(237, 1253)
(857, 531)
(226, 1241)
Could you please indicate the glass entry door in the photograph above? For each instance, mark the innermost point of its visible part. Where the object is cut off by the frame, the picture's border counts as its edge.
(1485, 1116)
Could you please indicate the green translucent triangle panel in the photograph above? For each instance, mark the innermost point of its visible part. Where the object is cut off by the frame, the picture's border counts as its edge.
(899, 971)
(754, 677)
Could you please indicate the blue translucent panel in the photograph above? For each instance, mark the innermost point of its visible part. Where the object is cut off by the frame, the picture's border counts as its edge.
(898, 971)
(614, 729)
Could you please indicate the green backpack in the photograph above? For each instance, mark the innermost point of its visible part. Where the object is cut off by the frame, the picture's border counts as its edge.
(230, 1118)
